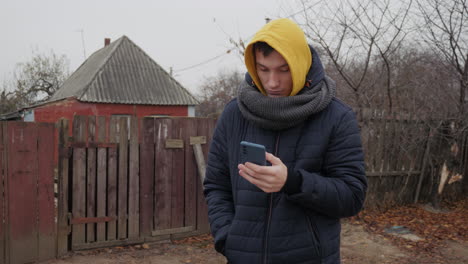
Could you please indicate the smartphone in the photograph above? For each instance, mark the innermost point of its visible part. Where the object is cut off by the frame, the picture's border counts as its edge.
(251, 152)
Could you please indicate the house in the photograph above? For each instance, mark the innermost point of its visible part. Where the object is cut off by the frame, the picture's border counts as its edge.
(118, 80)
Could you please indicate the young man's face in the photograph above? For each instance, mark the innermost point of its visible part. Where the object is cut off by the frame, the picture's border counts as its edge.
(274, 73)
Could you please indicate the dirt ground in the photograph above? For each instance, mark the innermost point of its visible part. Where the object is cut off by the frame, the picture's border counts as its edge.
(357, 246)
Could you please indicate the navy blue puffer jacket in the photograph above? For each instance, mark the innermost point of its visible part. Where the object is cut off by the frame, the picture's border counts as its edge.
(300, 224)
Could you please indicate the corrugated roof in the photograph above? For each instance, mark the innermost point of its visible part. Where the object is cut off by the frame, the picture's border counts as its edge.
(123, 73)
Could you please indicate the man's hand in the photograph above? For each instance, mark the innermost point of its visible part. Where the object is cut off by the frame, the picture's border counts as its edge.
(267, 178)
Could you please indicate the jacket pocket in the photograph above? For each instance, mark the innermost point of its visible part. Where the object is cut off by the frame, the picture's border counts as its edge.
(313, 231)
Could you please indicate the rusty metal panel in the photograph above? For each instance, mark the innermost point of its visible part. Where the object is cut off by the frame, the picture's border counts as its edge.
(47, 232)
(22, 195)
(3, 171)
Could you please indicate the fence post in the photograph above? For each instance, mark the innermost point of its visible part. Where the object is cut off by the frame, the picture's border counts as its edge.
(199, 156)
(62, 217)
(424, 165)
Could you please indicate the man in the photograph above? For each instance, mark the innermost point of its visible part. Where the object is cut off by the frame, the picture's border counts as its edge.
(289, 211)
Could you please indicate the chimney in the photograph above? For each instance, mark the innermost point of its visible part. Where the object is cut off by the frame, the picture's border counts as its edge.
(106, 42)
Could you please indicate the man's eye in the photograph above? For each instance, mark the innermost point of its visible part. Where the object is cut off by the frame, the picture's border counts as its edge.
(285, 70)
(263, 69)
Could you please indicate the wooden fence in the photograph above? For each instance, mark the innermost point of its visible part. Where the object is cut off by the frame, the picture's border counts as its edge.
(120, 181)
(398, 153)
(126, 180)
(27, 224)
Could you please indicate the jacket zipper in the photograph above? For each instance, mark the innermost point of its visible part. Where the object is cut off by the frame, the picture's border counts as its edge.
(270, 209)
(265, 250)
(314, 232)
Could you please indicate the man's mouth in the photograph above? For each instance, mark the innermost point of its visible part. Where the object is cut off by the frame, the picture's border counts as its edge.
(274, 93)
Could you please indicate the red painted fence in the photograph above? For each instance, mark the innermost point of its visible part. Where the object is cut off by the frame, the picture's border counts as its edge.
(120, 181)
(27, 215)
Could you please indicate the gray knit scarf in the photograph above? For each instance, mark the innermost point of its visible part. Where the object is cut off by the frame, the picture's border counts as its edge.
(284, 112)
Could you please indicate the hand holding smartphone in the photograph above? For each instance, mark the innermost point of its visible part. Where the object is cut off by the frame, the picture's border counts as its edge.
(251, 152)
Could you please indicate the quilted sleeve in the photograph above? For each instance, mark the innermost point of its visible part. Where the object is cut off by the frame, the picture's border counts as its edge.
(340, 191)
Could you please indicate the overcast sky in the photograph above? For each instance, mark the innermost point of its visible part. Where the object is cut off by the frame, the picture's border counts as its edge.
(175, 33)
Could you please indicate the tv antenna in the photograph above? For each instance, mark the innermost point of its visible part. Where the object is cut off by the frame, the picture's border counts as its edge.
(82, 42)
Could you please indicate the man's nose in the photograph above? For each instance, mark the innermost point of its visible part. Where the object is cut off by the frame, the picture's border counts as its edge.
(273, 80)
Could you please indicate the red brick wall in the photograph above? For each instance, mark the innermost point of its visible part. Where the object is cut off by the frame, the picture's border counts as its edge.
(71, 107)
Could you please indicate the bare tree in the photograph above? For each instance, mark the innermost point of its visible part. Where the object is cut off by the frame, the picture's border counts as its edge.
(357, 35)
(445, 29)
(39, 78)
(7, 100)
(216, 92)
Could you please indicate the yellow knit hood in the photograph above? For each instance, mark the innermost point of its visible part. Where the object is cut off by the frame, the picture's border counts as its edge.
(287, 38)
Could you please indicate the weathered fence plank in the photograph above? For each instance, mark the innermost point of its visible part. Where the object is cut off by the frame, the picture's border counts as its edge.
(381, 155)
(191, 176)
(91, 180)
(399, 144)
(390, 133)
(147, 175)
(177, 179)
(205, 127)
(163, 175)
(63, 181)
(79, 179)
(411, 136)
(123, 178)
(133, 182)
(112, 180)
(423, 168)
(45, 195)
(101, 178)
(367, 142)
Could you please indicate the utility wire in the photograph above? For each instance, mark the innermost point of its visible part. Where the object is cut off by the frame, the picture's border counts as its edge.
(211, 59)
(203, 62)
(229, 50)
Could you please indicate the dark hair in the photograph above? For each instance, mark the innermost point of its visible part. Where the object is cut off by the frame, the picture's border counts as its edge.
(263, 47)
